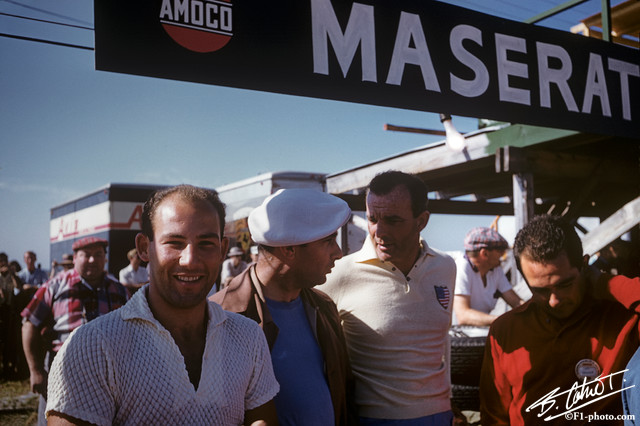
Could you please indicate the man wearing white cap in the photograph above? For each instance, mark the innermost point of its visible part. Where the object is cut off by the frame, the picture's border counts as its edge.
(296, 230)
(480, 280)
(394, 298)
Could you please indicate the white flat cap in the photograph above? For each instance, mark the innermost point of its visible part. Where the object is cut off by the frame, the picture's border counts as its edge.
(291, 217)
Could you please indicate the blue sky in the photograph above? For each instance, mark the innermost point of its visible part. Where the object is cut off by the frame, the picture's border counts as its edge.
(67, 129)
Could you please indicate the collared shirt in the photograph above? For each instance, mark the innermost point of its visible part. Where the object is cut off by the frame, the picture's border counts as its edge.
(37, 277)
(129, 276)
(529, 354)
(469, 283)
(67, 301)
(126, 369)
(228, 270)
(396, 329)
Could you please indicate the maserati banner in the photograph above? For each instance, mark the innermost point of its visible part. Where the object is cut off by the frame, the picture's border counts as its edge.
(412, 54)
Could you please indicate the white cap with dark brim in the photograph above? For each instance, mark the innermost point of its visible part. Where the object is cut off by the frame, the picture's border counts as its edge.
(292, 217)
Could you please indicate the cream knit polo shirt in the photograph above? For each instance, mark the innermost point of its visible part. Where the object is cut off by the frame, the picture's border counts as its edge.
(125, 368)
(396, 329)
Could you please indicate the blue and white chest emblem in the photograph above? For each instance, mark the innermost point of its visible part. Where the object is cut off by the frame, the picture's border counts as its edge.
(444, 296)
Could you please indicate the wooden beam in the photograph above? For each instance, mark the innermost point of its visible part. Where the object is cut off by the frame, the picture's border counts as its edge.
(559, 165)
(357, 203)
(470, 208)
(419, 160)
(612, 228)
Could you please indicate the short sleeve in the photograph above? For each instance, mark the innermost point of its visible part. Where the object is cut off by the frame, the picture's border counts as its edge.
(503, 283)
(463, 282)
(39, 310)
(80, 382)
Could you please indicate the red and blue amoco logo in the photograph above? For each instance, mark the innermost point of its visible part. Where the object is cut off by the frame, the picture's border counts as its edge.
(198, 25)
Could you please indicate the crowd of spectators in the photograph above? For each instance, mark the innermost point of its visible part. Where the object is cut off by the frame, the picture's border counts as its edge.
(17, 286)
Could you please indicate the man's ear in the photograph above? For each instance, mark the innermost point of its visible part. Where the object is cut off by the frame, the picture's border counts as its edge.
(423, 219)
(287, 252)
(224, 247)
(142, 245)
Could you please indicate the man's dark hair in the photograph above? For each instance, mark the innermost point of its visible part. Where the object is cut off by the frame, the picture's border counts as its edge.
(544, 238)
(386, 182)
(187, 193)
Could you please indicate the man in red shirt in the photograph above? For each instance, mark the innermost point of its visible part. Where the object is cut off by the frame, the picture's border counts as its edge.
(63, 304)
(561, 355)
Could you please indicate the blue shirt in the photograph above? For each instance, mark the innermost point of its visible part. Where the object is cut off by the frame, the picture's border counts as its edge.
(37, 277)
(304, 397)
(631, 394)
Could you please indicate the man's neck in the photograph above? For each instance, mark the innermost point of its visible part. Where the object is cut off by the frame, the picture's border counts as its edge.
(275, 283)
(188, 327)
(481, 270)
(95, 282)
(174, 319)
(405, 267)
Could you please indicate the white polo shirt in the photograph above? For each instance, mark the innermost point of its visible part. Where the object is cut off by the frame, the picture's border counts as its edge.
(469, 283)
(125, 368)
(396, 329)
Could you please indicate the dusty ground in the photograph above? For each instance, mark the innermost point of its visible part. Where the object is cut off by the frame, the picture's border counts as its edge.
(18, 407)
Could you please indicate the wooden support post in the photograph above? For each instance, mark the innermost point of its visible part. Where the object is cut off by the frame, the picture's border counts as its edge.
(523, 212)
(522, 198)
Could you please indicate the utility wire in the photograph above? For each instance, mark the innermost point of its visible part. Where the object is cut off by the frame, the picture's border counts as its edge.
(48, 22)
(46, 11)
(56, 43)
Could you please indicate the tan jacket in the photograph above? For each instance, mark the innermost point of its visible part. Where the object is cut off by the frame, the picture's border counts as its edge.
(244, 295)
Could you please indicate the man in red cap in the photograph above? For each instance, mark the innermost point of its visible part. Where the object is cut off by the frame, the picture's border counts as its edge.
(64, 303)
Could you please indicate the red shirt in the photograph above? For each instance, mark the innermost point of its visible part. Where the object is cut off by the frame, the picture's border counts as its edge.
(67, 301)
(529, 355)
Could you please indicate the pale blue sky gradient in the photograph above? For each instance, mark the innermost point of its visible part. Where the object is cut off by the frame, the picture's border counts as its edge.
(67, 129)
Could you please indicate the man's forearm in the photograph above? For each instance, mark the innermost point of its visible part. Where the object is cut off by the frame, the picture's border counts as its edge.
(33, 347)
(475, 318)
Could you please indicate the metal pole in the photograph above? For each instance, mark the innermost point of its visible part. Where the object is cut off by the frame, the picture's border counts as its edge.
(605, 17)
